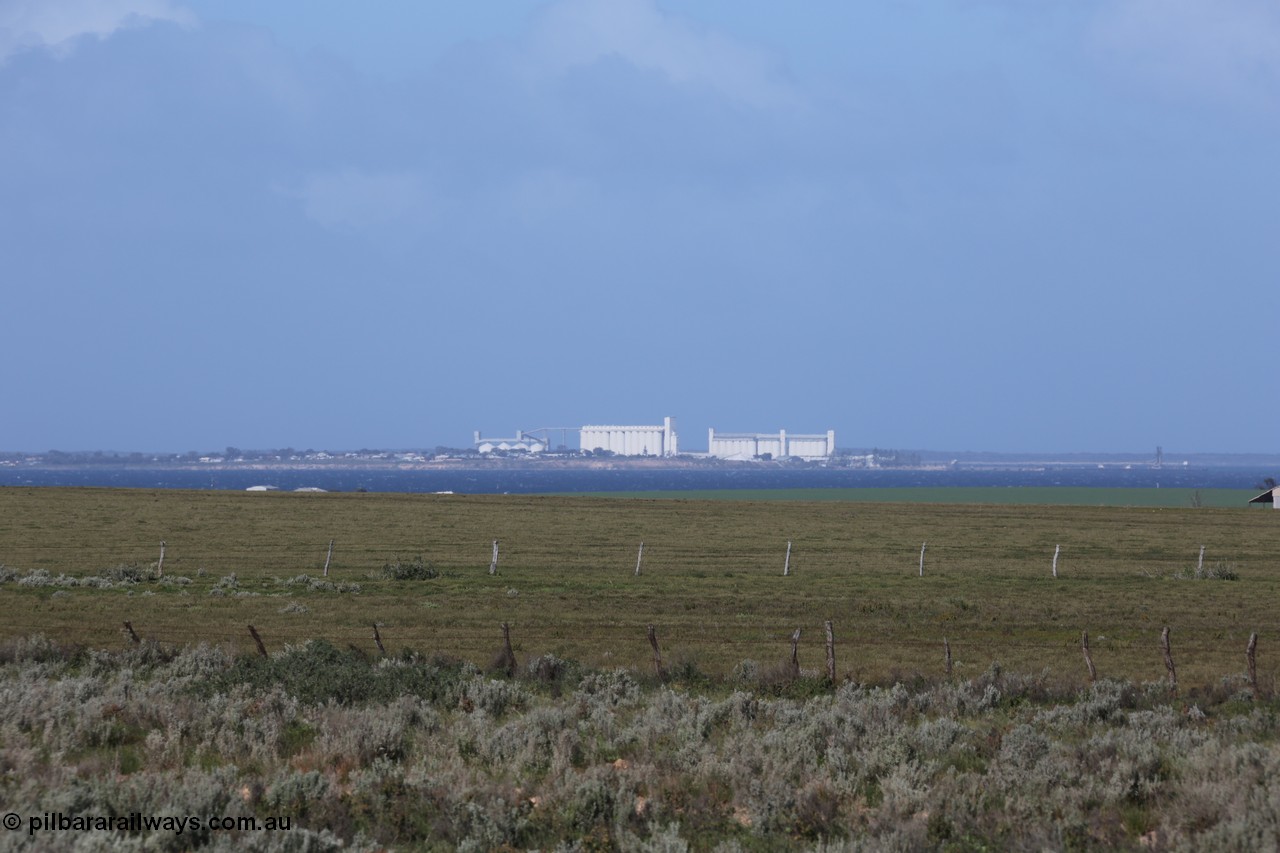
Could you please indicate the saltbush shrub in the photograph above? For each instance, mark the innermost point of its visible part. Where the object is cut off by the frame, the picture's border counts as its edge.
(409, 570)
(319, 672)
(128, 573)
(409, 753)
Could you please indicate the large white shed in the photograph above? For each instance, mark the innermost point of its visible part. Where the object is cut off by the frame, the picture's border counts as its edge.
(752, 445)
(631, 440)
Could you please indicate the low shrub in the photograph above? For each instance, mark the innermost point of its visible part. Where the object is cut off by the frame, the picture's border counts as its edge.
(405, 752)
(129, 573)
(409, 570)
(315, 584)
(319, 672)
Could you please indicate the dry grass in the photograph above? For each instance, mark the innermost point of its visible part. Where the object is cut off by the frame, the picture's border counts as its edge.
(711, 580)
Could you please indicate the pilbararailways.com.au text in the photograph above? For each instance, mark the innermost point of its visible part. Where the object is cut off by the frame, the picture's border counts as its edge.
(137, 822)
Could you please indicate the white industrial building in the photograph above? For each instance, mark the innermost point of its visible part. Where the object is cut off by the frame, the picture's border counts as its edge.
(752, 445)
(523, 443)
(1270, 496)
(631, 440)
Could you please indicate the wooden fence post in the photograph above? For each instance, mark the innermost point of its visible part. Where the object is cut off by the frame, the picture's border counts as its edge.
(327, 558)
(1200, 563)
(128, 626)
(262, 650)
(493, 564)
(1056, 550)
(831, 653)
(1088, 658)
(786, 563)
(657, 655)
(509, 657)
(1168, 658)
(795, 658)
(160, 565)
(377, 638)
(946, 650)
(1250, 656)
(922, 547)
(639, 558)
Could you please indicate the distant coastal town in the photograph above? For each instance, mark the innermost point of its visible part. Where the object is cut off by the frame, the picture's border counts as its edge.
(628, 447)
(442, 457)
(448, 458)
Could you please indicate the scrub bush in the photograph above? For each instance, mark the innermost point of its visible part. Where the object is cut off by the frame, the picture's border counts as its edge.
(409, 570)
(412, 753)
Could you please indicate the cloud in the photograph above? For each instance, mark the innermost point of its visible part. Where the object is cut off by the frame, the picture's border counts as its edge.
(1225, 49)
(576, 33)
(537, 195)
(58, 24)
(355, 200)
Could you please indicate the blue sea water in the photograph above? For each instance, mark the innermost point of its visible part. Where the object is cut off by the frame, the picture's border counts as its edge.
(534, 480)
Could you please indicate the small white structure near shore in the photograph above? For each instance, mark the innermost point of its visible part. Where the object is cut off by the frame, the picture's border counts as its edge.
(779, 445)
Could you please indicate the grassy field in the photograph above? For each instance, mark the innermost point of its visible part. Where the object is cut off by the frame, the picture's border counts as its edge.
(1024, 495)
(711, 581)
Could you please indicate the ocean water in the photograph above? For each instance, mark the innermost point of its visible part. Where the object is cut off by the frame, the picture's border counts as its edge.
(534, 480)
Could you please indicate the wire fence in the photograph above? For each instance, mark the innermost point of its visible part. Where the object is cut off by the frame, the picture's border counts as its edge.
(1207, 659)
(542, 557)
(461, 555)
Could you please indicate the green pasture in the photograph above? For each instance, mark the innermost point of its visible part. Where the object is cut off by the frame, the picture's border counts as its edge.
(711, 581)
(1026, 495)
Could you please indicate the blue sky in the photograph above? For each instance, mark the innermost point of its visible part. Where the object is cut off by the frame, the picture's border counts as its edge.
(969, 225)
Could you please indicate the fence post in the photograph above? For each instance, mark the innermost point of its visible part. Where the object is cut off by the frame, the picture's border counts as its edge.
(831, 653)
(128, 626)
(657, 655)
(1088, 658)
(1168, 659)
(509, 657)
(795, 658)
(946, 650)
(1200, 563)
(922, 547)
(786, 564)
(262, 650)
(327, 558)
(160, 565)
(493, 564)
(1250, 655)
(1056, 550)
(377, 638)
(639, 557)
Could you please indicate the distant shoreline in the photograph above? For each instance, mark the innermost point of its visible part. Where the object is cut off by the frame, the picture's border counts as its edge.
(461, 459)
(642, 464)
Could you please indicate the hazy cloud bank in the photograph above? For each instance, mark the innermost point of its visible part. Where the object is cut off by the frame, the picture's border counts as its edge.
(977, 225)
(57, 24)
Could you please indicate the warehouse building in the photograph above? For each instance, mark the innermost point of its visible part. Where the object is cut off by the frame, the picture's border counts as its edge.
(522, 443)
(631, 440)
(752, 445)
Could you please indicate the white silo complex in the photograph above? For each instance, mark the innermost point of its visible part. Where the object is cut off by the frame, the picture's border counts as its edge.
(631, 440)
(753, 445)
(522, 443)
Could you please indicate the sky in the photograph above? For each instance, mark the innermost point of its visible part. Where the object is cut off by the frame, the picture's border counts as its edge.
(999, 225)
